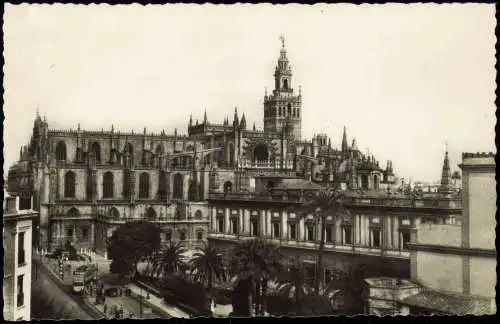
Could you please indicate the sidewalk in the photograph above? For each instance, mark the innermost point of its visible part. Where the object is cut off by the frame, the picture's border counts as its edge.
(158, 302)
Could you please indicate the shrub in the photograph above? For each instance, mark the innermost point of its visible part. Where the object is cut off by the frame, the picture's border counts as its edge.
(187, 293)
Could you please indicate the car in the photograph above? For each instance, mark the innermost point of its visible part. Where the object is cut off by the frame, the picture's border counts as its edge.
(112, 292)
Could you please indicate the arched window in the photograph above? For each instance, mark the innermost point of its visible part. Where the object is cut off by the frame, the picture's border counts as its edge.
(375, 182)
(364, 181)
(289, 112)
(61, 151)
(285, 84)
(178, 186)
(69, 184)
(108, 185)
(96, 151)
(114, 213)
(198, 214)
(150, 213)
(162, 185)
(231, 154)
(199, 235)
(144, 185)
(73, 212)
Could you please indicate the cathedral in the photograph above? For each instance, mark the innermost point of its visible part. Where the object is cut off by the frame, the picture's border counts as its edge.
(85, 183)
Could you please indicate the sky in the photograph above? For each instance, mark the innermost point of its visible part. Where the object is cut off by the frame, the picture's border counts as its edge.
(403, 79)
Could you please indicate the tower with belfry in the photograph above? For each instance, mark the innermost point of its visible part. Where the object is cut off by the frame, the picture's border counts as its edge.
(283, 107)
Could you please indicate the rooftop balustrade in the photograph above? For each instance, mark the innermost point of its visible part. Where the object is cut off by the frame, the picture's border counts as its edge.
(300, 195)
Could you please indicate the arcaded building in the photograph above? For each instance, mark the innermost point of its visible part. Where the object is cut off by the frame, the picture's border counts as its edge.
(219, 181)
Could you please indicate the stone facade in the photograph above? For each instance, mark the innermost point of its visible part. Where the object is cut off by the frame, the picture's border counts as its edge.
(87, 182)
(17, 243)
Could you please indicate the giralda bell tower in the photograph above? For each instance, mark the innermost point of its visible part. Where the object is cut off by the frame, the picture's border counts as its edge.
(282, 109)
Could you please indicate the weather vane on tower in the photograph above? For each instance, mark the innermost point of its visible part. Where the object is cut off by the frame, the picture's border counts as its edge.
(282, 39)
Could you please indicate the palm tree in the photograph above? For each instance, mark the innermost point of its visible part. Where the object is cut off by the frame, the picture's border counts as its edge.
(207, 266)
(169, 259)
(255, 262)
(292, 283)
(321, 205)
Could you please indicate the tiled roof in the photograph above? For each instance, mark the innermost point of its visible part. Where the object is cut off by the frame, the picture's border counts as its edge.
(455, 304)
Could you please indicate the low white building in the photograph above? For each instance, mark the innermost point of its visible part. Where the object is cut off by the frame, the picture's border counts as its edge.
(17, 242)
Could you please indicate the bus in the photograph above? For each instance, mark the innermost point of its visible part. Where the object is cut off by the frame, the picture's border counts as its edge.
(82, 276)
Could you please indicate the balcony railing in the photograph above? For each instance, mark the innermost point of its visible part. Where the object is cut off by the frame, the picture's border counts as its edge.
(295, 196)
(314, 245)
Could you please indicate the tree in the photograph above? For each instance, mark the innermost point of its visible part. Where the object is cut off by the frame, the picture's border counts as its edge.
(254, 263)
(130, 243)
(169, 259)
(321, 205)
(207, 266)
(292, 284)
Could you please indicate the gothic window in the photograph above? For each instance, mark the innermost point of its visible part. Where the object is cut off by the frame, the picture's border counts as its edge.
(199, 235)
(198, 214)
(183, 235)
(279, 112)
(285, 84)
(144, 185)
(364, 181)
(108, 185)
(178, 186)
(298, 113)
(61, 151)
(231, 154)
(69, 184)
(96, 151)
(162, 185)
(289, 112)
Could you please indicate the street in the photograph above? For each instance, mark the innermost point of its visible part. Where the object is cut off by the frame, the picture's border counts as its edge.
(45, 288)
